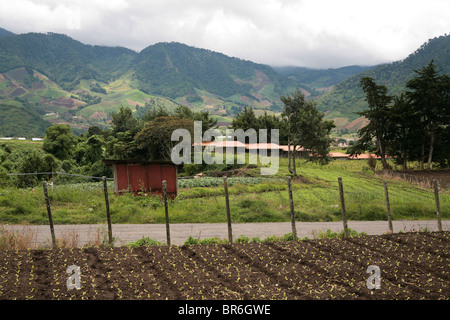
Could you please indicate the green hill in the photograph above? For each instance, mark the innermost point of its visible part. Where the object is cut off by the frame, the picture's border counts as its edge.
(175, 69)
(319, 81)
(5, 33)
(63, 59)
(16, 120)
(62, 80)
(84, 84)
(347, 97)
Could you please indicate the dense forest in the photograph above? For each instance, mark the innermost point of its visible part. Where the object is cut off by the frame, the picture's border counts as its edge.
(347, 97)
(411, 126)
(63, 59)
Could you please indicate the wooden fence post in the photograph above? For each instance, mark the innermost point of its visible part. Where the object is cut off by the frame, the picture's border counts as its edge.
(49, 211)
(227, 202)
(388, 206)
(108, 213)
(438, 207)
(291, 204)
(167, 211)
(344, 213)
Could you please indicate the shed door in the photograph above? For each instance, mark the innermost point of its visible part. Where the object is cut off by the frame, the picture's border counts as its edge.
(137, 177)
(154, 177)
(169, 173)
(121, 177)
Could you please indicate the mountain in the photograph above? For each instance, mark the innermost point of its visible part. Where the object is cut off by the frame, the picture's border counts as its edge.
(177, 71)
(52, 78)
(16, 120)
(347, 97)
(63, 59)
(319, 81)
(84, 84)
(5, 33)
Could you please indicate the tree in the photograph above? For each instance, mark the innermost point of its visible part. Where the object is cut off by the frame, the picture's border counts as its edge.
(154, 140)
(123, 121)
(270, 122)
(404, 132)
(306, 128)
(378, 115)
(153, 113)
(60, 141)
(120, 143)
(184, 112)
(245, 120)
(36, 162)
(429, 97)
(89, 150)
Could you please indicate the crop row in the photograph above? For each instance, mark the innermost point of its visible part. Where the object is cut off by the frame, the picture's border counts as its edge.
(413, 266)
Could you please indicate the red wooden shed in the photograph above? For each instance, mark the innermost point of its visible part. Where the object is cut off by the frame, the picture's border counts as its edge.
(136, 177)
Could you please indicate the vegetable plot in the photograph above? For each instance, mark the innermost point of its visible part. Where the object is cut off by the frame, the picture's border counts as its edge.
(411, 266)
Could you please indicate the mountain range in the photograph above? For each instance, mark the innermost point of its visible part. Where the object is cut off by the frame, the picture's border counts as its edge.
(52, 78)
(347, 97)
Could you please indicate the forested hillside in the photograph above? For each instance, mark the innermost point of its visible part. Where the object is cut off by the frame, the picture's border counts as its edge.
(63, 81)
(319, 81)
(347, 97)
(5, 33)
(175, 70)
(83, 84)
(63, 59)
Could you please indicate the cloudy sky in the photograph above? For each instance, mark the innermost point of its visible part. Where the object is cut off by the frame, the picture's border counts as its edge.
(310, 33)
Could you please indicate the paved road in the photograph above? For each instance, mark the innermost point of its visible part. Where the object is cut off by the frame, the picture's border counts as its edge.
(124, 233)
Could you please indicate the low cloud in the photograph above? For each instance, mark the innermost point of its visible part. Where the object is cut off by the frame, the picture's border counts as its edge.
(318, 34)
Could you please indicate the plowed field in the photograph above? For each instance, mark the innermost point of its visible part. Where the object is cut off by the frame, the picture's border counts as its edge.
(411, 266)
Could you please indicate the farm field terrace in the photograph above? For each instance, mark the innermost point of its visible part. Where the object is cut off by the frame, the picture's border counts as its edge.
(412, 266)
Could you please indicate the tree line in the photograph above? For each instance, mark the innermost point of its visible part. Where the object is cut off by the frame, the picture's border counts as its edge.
(300, 125)
(412, 126)
(148, 137)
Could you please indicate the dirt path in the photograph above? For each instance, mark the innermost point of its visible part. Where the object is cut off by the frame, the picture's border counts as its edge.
(124, 233)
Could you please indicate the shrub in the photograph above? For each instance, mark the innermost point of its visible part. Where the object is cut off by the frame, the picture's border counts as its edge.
(372, 163)
(328, 234)
(243, 239)
(144, 242)
(191, 240)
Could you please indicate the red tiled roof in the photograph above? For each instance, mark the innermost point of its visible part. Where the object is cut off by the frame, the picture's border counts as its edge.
(262, 146)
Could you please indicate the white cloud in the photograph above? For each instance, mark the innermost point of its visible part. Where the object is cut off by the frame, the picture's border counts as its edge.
(313, 33)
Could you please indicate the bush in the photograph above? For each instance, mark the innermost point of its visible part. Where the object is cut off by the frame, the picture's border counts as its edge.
(372, 163)
(144, 242)
(332, 234)
(243, 239)
(305, 217)
(191, 241)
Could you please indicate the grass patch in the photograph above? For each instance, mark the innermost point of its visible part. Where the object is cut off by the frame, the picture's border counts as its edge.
(252, 199)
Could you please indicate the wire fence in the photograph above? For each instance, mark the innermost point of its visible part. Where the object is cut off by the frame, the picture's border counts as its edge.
(228, 213)
(56, 173)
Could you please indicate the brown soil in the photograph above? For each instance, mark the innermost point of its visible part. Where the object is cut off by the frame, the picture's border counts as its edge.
(412, 265)
(427, 176)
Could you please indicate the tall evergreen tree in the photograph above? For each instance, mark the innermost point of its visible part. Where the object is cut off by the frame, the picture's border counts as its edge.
(429, 96)
(378, 115)
(404, 132)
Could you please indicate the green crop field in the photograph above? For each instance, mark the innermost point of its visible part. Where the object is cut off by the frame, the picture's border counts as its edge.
(253, 198)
